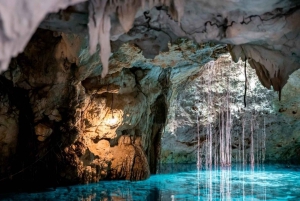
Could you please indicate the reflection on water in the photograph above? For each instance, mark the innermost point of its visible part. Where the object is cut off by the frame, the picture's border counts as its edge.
(269, 182)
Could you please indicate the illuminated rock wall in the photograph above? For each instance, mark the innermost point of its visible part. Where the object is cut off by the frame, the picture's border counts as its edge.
(77, 127)
(275, 123)
(63, 122)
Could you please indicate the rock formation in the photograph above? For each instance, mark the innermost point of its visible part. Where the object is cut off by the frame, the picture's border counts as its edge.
(275, 128)
(265, 33)
(71, 125)
(92, 94)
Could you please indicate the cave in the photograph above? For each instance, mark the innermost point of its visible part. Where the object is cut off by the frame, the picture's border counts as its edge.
(149, 100)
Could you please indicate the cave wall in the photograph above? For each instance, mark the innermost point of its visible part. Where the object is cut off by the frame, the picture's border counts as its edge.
(20, 19)
(275, 123)
(70, 125)
(66, 117)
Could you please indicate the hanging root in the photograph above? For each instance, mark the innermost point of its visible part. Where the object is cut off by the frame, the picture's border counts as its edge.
(245, 94)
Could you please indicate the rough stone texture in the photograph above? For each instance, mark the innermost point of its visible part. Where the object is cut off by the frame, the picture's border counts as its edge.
(19, 20)
(287, 122)
(278, 118)
(9, 130)
(264, 32)
(75, 126)
(84, 128)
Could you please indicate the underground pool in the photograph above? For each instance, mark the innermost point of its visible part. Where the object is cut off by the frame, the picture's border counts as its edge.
(187, 182)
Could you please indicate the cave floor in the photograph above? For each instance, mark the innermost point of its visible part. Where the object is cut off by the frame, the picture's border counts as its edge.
(185, 182)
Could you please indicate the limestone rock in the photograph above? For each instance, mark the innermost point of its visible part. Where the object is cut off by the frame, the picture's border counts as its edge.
(274, 122)
(263, 32)
(9, 130)
(129, 160)
(42, 131)
(90, 128)
(19, 24)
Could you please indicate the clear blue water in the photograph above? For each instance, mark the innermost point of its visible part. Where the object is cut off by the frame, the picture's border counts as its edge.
(268, 182)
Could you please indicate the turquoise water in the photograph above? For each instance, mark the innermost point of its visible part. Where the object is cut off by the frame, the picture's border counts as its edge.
(268, 182)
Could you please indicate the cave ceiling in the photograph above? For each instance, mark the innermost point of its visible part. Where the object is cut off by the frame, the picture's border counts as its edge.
(266, 33)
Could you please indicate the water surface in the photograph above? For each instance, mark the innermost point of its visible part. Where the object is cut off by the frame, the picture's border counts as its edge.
(185, 182)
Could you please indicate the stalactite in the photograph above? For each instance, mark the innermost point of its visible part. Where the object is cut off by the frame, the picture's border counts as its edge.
(104, 38)
(99, 31)
(100, 24)
(126, 14)
(150, 4)
(166, 2)
(96, 12)
(179, 6)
